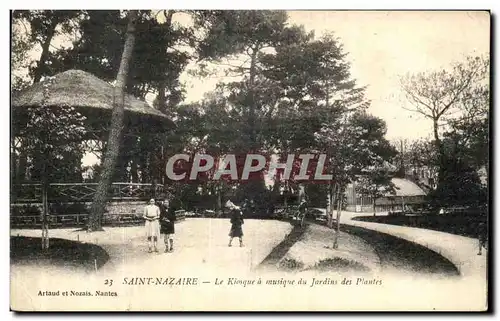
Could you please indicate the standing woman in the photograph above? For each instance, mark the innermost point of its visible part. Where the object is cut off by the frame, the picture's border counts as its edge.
(167, 225)
(152, 216)
(236, 223)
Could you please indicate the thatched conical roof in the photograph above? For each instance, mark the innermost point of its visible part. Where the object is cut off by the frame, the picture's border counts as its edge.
(80, 89)
(405, 187)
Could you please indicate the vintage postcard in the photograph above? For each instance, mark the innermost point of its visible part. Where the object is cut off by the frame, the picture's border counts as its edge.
(209, 160)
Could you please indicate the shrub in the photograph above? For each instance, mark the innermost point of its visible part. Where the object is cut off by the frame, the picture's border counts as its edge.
(289, 264)
(340, 264)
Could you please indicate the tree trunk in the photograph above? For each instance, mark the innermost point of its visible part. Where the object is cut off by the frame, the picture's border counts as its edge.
(45, 201)
(120, 173)
(402, 163)
(437, 140)
(133, 172)
(162, 86)
(332, 192)
(285, 194)
(374, 206)
(150, 168)
(45, 213)
(23, 164)
(113, 145)
(339, 212)
(439, 149)
(328, 205)
(219, 200)
(45, 53)
(13, 160)
(251, 106)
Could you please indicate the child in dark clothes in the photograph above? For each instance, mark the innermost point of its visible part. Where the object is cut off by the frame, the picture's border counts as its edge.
(236, 223)
(167, 225)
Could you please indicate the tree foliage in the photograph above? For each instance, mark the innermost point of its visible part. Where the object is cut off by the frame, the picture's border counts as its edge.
(44, 26)
(285, 91)
(52, 138)
(376, 183)
(450, 96)
(457, 101)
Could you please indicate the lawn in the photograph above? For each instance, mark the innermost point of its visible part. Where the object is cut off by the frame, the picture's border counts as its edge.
(62, 253)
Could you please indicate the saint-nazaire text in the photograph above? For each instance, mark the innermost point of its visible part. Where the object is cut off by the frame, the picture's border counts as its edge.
(160, 281)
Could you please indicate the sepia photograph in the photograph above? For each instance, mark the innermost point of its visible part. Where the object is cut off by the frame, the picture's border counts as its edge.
(250, 160)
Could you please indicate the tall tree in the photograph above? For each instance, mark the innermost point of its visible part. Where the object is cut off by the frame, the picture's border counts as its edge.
(245, 35)
(44, 26)
(156, 69)
(21, 44)
(466, 148)
(441, 95)
(418, 161)
(315, 87)
(52, 136)
(238, 41)
(353, 143)
(32, 28)
(113, 146)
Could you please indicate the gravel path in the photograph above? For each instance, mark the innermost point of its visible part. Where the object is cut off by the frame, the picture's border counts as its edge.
(198, 242)
(202, 252)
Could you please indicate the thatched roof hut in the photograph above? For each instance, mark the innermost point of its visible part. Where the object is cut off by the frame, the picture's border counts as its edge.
(407, 188)
(92, 97)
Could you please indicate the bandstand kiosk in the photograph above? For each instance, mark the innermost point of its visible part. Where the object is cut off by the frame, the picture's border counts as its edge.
(61, 202)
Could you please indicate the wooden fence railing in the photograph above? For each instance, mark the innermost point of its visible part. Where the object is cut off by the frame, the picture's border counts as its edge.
(80, 220)
(66, 203)
(180, 215)
(82, 192)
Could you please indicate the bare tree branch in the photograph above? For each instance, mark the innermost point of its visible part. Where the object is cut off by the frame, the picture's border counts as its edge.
(418, 111)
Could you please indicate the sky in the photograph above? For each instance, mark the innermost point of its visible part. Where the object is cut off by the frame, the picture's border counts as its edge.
(382, 46)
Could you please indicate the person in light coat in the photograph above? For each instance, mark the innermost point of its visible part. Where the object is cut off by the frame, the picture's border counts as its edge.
(152, 217)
